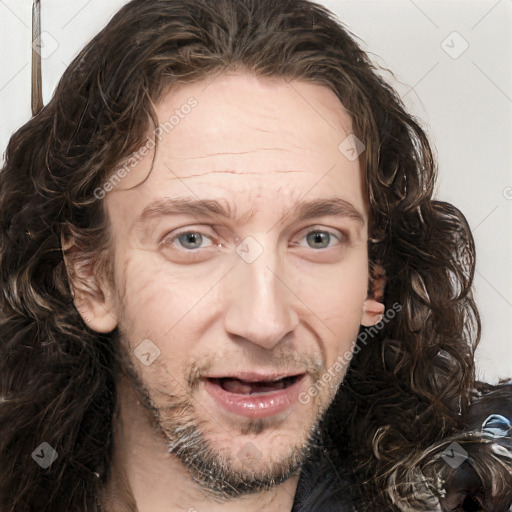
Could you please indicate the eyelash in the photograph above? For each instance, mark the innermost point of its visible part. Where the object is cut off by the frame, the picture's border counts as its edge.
(170, 241)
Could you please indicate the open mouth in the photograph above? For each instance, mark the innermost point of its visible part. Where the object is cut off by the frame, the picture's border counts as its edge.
(243, 387)
(255, 395)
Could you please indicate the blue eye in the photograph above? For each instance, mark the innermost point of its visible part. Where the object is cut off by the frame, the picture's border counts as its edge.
(320, 239)
(195, 240)
(190, 239)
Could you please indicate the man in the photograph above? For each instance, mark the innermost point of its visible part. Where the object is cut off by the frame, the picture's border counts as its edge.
(221, 208)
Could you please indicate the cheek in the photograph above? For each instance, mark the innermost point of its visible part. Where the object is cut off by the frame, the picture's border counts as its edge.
(336, 294)
(149, 298)
(336, 300)
(154, 321)
(163, 304)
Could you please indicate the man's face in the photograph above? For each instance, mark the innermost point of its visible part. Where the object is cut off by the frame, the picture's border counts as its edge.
(261, 295)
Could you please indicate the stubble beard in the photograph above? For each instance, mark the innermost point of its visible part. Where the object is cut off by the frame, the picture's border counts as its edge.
(225, 475)
(220, 475)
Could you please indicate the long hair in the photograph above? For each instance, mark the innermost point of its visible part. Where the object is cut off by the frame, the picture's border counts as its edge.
(406, 387)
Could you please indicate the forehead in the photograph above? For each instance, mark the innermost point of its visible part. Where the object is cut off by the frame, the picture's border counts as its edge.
(255, 137)
(243, 114)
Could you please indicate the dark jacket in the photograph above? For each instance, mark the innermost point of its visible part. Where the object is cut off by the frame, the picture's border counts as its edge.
(324, 485)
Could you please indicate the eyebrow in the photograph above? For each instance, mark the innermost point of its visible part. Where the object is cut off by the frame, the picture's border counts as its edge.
(212, 208)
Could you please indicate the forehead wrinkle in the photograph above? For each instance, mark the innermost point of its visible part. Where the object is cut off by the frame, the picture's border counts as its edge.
(225, 153)
(240, 173)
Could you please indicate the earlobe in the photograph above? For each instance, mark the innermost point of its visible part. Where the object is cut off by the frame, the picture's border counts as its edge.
(96, 312)
(373, 312)
(373, 308)
(92, 294)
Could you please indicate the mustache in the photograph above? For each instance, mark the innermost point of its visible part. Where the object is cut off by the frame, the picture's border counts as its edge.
(310, 364)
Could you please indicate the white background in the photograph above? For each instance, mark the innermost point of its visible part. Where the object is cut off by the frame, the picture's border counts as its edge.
(464, 100)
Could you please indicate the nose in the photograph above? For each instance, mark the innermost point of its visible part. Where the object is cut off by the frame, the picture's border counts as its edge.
(261, 302)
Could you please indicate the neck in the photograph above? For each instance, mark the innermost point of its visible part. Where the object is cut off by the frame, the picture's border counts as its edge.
(144, 477)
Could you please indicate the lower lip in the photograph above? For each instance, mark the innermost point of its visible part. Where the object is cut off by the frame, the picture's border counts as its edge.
(256, 406)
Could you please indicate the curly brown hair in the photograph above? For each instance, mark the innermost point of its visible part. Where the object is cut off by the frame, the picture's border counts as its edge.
(405, 391)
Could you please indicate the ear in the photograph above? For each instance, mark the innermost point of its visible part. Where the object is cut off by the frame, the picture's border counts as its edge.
(91, 289)
(373, 307)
